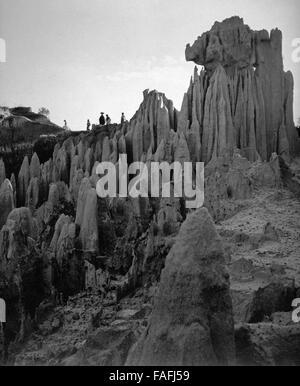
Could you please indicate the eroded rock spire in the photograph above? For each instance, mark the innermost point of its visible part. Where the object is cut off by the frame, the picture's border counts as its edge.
(246, 98)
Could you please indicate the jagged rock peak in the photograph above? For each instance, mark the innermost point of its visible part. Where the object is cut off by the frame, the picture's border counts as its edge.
(2, 171)
(243, 99)
(151, 124)
(23, 181)
(231, 43)
(6, 201)
(35, 166)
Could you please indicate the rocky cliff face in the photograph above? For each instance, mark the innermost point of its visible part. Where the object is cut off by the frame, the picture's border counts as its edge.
(242, 98)
(23, 132)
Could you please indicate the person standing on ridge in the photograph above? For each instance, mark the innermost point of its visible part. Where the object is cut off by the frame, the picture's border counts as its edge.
(88, 125)
(66, 126)
(102, 119)
(123, 118)
(298, 127)
(108, 120)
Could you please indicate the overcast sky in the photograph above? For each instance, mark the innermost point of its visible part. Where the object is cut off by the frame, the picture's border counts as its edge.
(80, 57)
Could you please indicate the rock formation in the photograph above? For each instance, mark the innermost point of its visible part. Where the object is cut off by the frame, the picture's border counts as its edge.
(150, 125)
(23, 181)
(85, 186)
(243, 98)
(14, 187)
(2, 171)
(21, 281)
(23, 132)
(35, 167)
(192, 320)
(268, 344)
(112, 258)
(33, 192)
(89, 223)
(7, 203)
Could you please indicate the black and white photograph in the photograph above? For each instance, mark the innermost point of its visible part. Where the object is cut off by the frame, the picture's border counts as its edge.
(149, 185)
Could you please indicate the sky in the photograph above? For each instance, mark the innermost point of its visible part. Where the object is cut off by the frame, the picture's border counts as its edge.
(81, 57)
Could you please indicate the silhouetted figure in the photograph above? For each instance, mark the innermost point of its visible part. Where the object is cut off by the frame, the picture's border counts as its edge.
(298, 127)
(123, 118)
(88, 125)
(108, 120)
(102, 120)
(66, 126)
